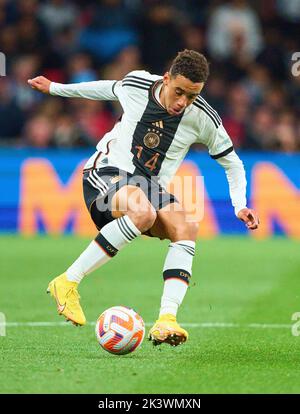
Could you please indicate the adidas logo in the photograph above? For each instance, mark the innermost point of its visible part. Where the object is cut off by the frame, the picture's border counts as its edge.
(158, 124)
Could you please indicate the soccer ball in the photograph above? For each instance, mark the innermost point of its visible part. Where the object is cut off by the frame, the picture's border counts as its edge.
(120, 330)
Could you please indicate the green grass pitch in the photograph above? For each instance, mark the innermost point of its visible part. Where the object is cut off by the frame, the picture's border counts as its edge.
(235, 281)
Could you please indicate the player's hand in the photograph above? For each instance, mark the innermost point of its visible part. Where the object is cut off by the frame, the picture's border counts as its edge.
(40, 83)
(249, 217)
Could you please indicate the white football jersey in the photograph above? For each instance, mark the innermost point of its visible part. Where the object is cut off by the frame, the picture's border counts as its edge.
(148, 140)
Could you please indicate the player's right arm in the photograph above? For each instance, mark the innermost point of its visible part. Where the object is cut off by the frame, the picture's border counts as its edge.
(104, 90)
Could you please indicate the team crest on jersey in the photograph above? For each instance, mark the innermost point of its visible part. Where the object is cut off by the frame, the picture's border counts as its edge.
(151, 140)
(115, 179)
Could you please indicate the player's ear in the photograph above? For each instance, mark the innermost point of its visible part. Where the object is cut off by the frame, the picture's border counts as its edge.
(166, 78)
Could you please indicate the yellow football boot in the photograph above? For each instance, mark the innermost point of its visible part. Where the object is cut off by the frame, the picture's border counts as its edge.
(67, 299)
(166, 330)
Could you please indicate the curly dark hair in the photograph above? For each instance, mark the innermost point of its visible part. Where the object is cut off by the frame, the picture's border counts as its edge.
(190, 64)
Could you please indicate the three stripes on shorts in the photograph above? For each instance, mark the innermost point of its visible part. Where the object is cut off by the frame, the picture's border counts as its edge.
(97, 182)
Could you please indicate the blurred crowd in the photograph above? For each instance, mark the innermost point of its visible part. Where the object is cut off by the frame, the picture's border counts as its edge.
(249, 45)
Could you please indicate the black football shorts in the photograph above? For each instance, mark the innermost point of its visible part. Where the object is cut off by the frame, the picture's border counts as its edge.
(99, 186)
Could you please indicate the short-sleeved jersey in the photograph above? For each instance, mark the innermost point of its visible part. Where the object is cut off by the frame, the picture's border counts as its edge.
(147, 139)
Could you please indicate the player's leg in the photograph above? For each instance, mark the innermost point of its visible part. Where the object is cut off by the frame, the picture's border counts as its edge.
(132, 214)
(171, 224)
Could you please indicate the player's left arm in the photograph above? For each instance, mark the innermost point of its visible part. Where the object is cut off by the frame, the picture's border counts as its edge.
(221, 149)
(236, 178)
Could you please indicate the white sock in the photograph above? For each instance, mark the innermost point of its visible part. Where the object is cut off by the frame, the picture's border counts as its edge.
(177, 273)
(112, 238)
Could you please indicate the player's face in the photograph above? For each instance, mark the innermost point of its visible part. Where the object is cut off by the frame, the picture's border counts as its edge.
(178, 93)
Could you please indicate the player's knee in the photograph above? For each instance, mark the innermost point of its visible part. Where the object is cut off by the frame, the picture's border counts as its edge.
(150, 218)
(144, 218)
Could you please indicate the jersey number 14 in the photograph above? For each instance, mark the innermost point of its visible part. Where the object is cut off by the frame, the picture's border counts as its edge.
(151, 163)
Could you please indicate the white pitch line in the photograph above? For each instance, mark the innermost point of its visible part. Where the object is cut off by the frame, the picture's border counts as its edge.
(187, 325)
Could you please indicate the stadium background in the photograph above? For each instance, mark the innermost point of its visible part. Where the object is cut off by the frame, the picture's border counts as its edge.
(245, 291)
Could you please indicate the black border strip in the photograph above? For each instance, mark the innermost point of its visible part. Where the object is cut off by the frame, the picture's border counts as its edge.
(113, 89)
(177, 274)
(222, 154)
(109, 249)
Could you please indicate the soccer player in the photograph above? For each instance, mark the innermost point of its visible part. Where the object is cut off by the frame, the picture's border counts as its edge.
(124, 182)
